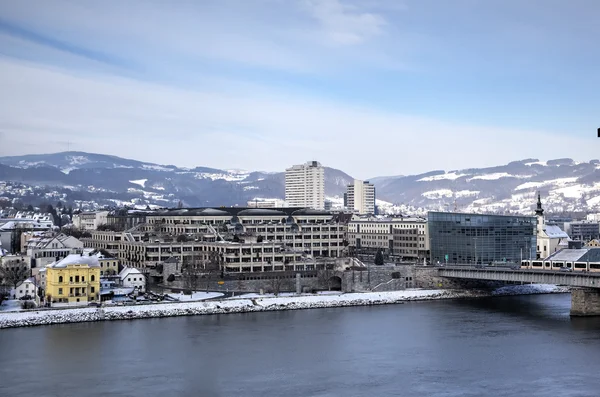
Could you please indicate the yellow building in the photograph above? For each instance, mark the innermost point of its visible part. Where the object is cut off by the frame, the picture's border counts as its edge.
(75, 278)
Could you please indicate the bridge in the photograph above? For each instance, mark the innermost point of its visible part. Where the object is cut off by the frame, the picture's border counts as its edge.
(585, 297)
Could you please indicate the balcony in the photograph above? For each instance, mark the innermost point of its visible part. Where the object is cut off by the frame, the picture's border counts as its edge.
(78, 283)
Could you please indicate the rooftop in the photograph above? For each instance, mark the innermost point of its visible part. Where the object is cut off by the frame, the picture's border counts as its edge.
(554, 231)
(76, 259)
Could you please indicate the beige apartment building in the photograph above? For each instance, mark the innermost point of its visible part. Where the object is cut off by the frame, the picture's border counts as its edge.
(401, 238)
(360, 197)
(305, 185)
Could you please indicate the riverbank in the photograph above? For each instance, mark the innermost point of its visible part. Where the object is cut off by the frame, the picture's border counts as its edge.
(251, 304)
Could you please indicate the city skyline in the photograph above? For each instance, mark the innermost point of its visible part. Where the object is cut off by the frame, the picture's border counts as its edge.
(370, 87)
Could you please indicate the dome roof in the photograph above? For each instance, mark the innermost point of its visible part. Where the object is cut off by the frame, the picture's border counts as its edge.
(260, 212)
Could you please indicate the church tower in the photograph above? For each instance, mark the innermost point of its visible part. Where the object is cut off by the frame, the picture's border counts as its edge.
(541, 226)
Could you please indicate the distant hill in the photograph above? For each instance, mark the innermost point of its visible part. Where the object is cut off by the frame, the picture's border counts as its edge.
(565, 185)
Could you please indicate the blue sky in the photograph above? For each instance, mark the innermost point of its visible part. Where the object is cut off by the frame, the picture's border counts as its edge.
(373, 87)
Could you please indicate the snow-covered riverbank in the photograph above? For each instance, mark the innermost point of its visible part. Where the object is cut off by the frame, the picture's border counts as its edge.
(253, 303)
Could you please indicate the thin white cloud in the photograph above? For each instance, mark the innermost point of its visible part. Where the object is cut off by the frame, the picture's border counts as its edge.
(243, 128)
(345, 24)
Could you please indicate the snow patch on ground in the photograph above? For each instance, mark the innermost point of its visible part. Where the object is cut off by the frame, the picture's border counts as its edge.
(141, 182)
(556, 182)
(449, 175)
(498, 175)
(436, 194)
(466, 193)
(537, 163)
(594, 201)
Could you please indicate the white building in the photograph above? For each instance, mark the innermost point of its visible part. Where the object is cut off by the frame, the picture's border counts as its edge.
(25, 288)
(132, 278)
(550, 238)
(90, 220)
(45, 250)
(361, 197)
(305, 185)
(266, 203)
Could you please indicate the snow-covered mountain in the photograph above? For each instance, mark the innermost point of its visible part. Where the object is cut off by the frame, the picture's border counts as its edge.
(114, 180)
(565, 185)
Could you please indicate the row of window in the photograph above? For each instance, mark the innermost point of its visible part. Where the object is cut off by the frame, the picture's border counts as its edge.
(61, 279)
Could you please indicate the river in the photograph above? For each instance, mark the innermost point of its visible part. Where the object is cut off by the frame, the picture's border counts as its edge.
(506, 346)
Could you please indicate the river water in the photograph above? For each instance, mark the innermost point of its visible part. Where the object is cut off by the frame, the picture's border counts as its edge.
(508, 346)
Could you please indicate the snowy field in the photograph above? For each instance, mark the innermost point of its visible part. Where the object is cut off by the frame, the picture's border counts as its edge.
(251, 303)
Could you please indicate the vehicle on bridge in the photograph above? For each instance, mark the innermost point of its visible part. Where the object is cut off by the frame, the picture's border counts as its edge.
(539, 264)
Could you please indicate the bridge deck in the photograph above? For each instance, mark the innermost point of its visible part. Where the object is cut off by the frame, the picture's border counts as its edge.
(571, 279)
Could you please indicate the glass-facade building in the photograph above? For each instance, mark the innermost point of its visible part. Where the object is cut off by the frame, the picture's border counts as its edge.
(458, 238)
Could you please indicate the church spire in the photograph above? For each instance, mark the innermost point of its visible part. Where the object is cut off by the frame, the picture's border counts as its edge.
(539, 210)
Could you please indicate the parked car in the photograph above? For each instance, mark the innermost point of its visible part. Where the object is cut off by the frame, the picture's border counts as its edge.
(95, 304)
(566, 269)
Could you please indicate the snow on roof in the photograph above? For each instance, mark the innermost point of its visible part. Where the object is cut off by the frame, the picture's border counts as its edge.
(129, 271)
(568, 255)
(75, 259)
(554, 231)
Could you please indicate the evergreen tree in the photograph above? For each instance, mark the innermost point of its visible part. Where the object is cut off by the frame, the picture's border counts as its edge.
(379, 258)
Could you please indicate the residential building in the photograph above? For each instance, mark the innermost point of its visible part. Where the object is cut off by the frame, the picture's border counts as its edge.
(478, 238)
(305, 185)
(593, 217)
(73, 279)
(90, 220)
(583, 230)
(360, 197)
(400, 238)
(12, 228)
(593, 243)
(46, 249)
(131, 277)
(25, 288)
(550, 238)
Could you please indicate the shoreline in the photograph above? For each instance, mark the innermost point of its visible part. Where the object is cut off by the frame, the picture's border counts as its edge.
(252, 304)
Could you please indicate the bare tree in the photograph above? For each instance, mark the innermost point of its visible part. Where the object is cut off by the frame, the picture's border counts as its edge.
(280, 282)
(190, 274)
(324, 276)
(212, 269)
(14, 274)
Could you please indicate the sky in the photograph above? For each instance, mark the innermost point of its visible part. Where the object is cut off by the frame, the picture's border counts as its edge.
(372, 87)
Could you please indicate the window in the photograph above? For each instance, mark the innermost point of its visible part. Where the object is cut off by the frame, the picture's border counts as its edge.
(76, 279)
(93, 277)
(92, 290)
(60, 279)
(82, 279)
(60, 291)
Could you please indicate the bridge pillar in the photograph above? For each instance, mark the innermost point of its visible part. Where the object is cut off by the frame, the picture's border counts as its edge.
(585, 302)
